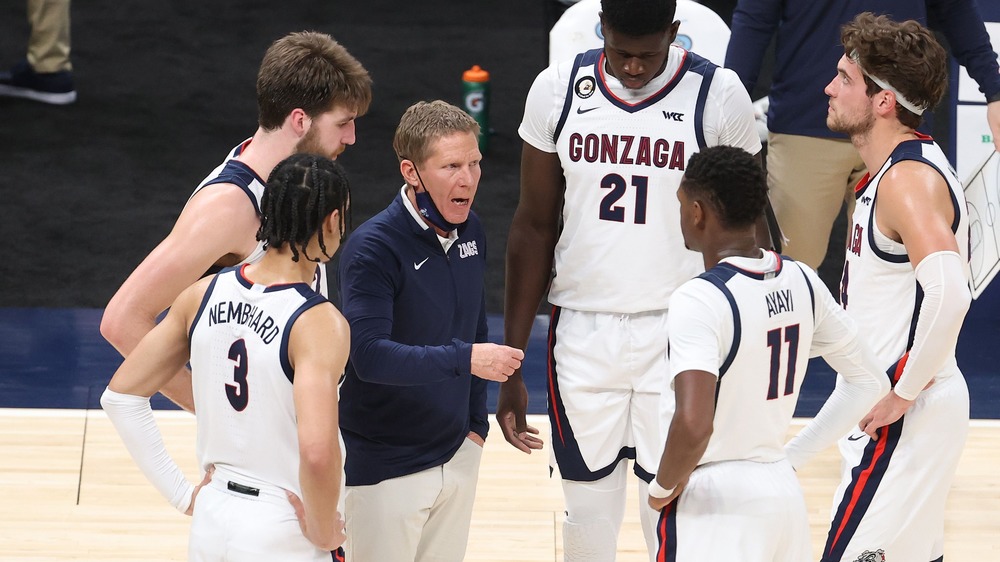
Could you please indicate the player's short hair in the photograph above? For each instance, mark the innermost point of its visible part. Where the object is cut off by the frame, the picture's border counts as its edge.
(311, 71)
(636, 18)
(301, 192)
(731, 180)
(905, 55)
(423, 123)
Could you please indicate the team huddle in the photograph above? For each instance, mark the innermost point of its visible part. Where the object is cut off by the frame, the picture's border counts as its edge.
(678, 339)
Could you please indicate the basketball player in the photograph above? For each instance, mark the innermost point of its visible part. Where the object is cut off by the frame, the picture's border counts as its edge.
(741, 335)
(309, 92)
(606, 141)
(812, 172)
(266, 354)
(579, 29)
(905, 283)
(413, 410)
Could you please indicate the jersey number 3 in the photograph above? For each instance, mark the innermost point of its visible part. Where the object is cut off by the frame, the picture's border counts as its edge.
(774, 342)
(239, 393)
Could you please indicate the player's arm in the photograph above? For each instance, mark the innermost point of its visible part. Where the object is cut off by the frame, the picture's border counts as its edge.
(318, 345)
(157, 357)
(915, 207)
(531, 244)
(862, 380)
(215, 223)
(689, 434)
(699, 330)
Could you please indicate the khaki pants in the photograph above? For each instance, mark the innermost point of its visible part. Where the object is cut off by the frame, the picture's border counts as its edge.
(809, 179)
(48, 46)
(422, 517)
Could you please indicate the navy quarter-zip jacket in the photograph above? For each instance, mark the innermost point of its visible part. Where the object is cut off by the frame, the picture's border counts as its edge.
(409, 399)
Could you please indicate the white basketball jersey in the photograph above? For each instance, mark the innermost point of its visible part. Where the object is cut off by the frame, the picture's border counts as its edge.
(759, 340)
(879, 288)
(621, 248)
(579, 29)
(233, 171)
(242, 377)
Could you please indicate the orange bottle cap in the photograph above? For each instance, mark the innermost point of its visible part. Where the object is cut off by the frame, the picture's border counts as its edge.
(476, 74)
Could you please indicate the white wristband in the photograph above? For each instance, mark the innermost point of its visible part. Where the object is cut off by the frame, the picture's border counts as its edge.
(659, 492)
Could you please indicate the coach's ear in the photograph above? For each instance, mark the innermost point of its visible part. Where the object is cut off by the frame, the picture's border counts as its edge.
(409, 171)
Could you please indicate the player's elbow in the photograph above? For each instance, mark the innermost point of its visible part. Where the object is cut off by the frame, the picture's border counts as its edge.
(696, 427)
(320, 459)
(963, 300)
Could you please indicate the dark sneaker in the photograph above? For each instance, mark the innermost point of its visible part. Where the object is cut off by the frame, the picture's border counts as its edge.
(22, 81)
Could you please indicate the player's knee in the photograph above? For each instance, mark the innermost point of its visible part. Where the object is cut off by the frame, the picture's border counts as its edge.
(111, 328)
(593, 541)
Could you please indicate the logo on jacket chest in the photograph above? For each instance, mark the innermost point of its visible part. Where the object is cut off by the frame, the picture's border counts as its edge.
(466, 249)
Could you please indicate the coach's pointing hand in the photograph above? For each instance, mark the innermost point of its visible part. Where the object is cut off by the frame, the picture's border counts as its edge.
(495, 362)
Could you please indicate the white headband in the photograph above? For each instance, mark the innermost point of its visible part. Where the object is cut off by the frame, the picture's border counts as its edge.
(900, 98)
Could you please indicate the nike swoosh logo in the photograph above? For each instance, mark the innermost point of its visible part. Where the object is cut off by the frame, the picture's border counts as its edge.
(856, 437)
(581, 111)
(417, 266)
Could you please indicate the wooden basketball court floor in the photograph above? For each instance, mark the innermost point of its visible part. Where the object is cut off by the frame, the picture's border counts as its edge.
(69, 491)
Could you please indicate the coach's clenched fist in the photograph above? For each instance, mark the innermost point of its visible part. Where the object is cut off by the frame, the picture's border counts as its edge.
(495, 362)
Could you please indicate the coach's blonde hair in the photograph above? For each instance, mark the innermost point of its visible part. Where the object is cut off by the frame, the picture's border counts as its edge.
(423, 123)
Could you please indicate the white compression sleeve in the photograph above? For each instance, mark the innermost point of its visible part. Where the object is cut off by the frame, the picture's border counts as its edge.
(946, 300)
(133, 419)
(858, 389)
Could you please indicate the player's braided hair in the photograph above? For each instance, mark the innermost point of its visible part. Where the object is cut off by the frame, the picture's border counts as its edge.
(302, 191)
(906, 55)
(731, 180)
(636, 18)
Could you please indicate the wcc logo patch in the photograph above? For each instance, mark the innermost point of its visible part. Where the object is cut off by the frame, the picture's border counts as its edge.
(585, 87)
(869, 556)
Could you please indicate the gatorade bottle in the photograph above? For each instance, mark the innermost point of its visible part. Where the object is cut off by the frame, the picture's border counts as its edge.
(476, 95)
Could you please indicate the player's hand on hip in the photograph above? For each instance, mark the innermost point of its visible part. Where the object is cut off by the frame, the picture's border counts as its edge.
(887, 411)
(660, 503)
(331, 540)
(340, 536)
(495, 362)
(511, 407)
(202, 484)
